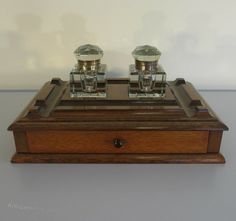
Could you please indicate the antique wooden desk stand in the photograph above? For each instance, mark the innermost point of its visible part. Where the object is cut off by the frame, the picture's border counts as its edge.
(94, 119)
(178, 128)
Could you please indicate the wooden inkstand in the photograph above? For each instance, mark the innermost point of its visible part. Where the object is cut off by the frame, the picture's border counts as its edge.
(141, 119)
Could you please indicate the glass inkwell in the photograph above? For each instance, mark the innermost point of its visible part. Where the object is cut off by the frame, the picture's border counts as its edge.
(87, 79)
(147, 77)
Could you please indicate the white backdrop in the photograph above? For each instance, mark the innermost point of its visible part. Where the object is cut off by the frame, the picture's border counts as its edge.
(38, 37)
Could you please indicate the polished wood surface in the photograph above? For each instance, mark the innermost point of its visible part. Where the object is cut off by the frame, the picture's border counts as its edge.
(119, 158)
(103, 142)
(180, 109)
(214, 141)
(179, 127)
(21, 141)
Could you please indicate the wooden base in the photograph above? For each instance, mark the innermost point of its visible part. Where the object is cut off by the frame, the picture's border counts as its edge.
(177, 128)
(217, 158)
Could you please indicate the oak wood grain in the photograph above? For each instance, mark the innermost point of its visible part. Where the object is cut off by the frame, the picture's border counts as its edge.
(120, 158)
(214, 141)
(21, 141)
(102, 141)
(177, 128)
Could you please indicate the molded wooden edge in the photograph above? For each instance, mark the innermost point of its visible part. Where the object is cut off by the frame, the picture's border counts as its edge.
(217, 158)
(223, 125)
(26, 109)
(118, 125)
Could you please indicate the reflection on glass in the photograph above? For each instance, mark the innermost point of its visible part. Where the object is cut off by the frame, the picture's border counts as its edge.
(146, 59)
(89, 81)
(88, 57)
(146, 81)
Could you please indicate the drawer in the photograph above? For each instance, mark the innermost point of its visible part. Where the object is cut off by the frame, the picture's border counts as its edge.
(59, 141)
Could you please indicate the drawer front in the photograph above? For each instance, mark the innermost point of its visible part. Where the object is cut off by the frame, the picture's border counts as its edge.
(117, 141)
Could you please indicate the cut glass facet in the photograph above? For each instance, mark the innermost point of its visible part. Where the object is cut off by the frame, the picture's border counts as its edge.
(88, 53)
(146, 53)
